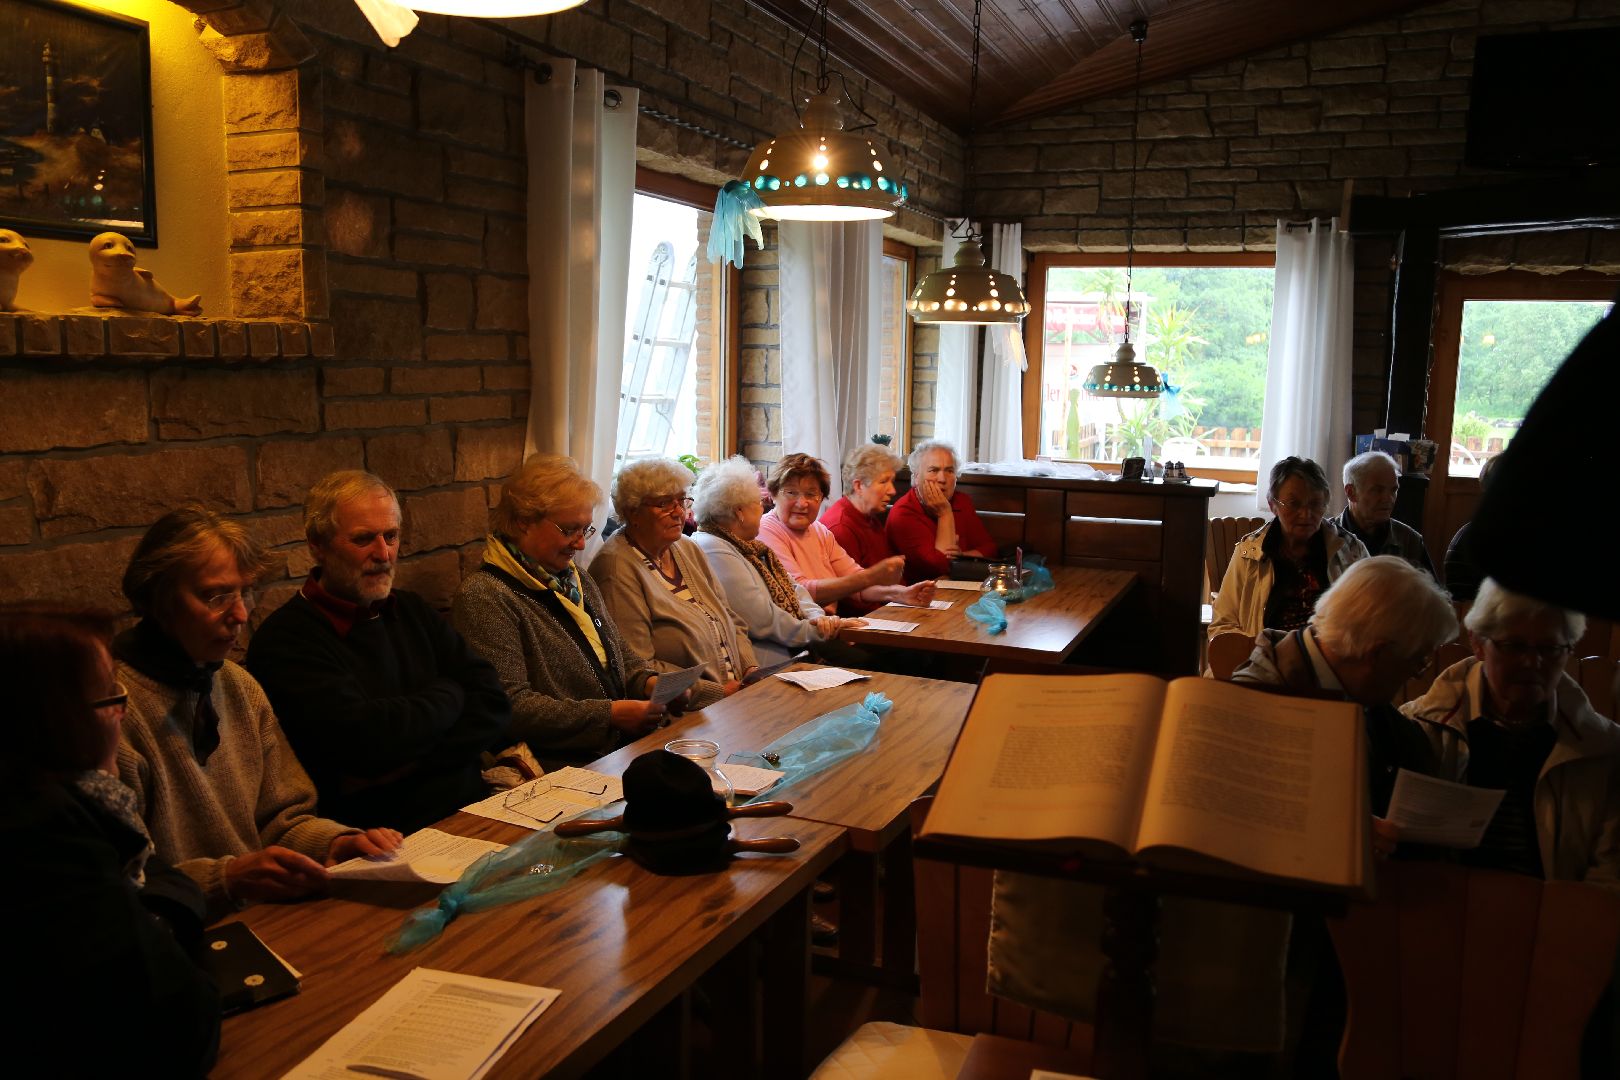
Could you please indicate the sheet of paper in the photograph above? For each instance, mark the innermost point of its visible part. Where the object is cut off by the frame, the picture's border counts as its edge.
(893, 626)
(436, 1025)
(820, 678)
(750, 780)
(426, 855)
(766, 672)
(1434, 811)
(958, 585)
(937, 605)
(672, 684)
(556, 796)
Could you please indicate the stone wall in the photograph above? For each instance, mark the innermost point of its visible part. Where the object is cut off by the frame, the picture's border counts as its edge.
(924, 365)
(1226, 151)
(759, 398)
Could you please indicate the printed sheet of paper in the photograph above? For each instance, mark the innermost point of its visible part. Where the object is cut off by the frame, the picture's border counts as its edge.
(821, 678)
(937, 605)
(750, 780)
(1434, 811)
(958, 585)
(766, 672)
(556, 796)
(893, 626)
(436, 1025)
(427, 855)
(672, 684)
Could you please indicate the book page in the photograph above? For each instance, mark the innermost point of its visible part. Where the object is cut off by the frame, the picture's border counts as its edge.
(1434, 811)
(1260, 780)
(1051, 757)
(426, 855)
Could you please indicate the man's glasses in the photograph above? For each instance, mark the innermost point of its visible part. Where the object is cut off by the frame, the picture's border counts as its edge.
(218, 603)
(670, 502)
(577, 533)
(118, 700)
(1524, 650)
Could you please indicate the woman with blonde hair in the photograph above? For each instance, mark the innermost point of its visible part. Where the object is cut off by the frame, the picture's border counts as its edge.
(576, 691)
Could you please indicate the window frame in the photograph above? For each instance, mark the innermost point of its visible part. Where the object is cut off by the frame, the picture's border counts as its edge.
(898, 249)
(1035, 322)
(700, 196)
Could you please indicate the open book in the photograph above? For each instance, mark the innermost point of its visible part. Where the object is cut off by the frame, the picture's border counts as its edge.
(1192, 775)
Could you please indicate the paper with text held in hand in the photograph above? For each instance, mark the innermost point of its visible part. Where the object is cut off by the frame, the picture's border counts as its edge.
(426, 855)
(432, 1025)
(556, 796)
(1434, 811)
(672, 684)
(821, 678)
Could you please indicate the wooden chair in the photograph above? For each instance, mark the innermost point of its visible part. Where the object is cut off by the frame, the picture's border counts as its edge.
(1228, 652)
(1596, 676)
(1443, 657)
(1472, 973)
(1224, 533)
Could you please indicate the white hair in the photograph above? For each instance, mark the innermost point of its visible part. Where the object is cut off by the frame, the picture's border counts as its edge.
(724, 488)
(1495, 607)
(649, 478)
(1357, 467)
(867, 462)
(927, 446)
(1384, 600)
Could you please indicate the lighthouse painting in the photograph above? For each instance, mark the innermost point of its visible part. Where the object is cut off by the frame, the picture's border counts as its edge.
(75, 122)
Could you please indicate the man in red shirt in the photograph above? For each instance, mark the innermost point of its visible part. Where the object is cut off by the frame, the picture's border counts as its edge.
(934, 523)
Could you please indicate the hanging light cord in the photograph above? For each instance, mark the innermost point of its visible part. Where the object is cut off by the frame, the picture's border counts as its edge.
(973, 112)
(1139, 33)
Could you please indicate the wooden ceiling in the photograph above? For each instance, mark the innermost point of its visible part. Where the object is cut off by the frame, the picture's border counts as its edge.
(1041, 56)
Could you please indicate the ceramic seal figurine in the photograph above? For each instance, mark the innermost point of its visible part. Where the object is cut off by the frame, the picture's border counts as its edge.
(116, 282)
(14, 259)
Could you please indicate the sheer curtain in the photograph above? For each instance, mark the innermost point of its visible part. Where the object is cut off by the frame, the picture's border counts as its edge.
(1307, 411)
(831, 332)
(582, 178)
(1001, 423)
(957, 387)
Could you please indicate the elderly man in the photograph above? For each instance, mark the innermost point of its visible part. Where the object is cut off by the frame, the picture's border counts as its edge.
(1510, 717)
(1371, 482)
(385, 704)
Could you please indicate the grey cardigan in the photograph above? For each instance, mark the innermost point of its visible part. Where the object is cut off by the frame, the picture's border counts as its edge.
(560, 699)
(671, 633)
(774, 633)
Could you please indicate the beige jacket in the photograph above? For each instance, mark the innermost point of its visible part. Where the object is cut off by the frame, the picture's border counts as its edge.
(1240, 606)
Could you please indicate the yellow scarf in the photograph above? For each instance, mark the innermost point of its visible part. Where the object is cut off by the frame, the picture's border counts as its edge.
(496, 555)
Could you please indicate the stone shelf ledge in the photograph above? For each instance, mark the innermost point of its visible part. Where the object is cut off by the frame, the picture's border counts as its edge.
(114, 335)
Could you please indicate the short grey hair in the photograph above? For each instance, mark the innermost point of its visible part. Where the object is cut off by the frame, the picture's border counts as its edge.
(1495, 607)
(724, 488)
(649, 478)
(926, 447)
(1358, 466)
(332, 491)
(866, 463)
(1302, 467)
(1384, 600)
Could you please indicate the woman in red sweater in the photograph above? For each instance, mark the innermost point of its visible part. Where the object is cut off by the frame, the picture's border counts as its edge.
(934, 523)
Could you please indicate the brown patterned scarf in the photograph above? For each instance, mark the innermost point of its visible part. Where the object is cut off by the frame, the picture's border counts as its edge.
(770, 568)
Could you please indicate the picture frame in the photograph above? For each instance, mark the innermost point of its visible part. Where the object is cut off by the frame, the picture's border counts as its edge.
(76, 150)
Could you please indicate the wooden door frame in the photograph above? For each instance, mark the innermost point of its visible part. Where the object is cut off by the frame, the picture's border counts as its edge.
(1454, 290)
(899, 249)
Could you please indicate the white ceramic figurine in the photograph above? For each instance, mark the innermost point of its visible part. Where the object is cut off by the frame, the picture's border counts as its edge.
(14, 259)
(116, 282)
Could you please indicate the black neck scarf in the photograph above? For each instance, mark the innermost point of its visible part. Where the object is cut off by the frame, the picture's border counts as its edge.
(150, 650)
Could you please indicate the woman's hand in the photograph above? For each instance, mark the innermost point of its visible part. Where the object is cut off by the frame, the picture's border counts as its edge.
(276, 873)
(887, 571)
(732, 687)
(1386, 835)
(363, 845)
(635, 718)
(921, 594)
(931, 493)
(827, 626)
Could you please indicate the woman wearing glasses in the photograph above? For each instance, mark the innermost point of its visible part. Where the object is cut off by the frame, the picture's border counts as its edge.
(1279, 570)
(1527, 727)
(576, 691)
(659, 587)
(220, 790)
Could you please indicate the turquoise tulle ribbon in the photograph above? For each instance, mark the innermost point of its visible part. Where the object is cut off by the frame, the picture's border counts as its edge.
(733, 224)
(990, 611)
(817, 744)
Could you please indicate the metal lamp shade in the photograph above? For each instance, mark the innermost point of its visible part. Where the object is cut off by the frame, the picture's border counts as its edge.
(492, 9)
(822, 172)
(968, 292)
(1124, 377)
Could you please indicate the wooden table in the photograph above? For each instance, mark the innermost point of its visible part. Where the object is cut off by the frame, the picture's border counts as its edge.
(1044, 628)
(867, 795)
(620, 943)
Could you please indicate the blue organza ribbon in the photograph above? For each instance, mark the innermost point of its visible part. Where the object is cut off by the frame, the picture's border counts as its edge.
(733, 224)
(818, 744)
(1037, 578)
(990, 611)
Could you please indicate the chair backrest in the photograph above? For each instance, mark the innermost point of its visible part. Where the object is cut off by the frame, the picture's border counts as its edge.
(1456, 972)
(1224, 533)
(1443, 657)
(1596, 676)
(1227, 653)
(953, 939)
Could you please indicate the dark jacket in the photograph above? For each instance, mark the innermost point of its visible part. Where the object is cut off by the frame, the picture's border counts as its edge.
(390, 718)
(102, 983)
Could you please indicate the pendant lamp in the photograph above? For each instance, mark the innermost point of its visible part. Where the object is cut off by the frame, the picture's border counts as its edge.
(968, 291)
(820, 171)
(493, 9)
(1125, 376)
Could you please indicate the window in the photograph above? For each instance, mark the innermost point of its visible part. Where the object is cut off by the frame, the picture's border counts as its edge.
(1203, 321)
(674, 387)
(894, 368)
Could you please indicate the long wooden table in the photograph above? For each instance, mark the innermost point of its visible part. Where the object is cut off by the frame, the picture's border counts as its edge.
(867, 795)
(622, 945)
(1045, 628)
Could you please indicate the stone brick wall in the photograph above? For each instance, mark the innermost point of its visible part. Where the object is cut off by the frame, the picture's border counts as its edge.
(1226, 151)
(759, 399)
(924, 365)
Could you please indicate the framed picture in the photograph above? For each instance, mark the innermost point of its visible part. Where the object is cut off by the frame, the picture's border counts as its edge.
(75, 122)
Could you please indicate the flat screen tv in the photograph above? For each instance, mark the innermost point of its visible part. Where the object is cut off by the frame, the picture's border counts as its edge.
(1545, 101)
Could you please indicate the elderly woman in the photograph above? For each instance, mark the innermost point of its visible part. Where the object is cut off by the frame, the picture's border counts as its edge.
(1510, 717)
(798, 484)
(96, 919)
(576, 691)
(781, 618)
(1279, 570)
(658, 586)
(934, 523)
(217, 784)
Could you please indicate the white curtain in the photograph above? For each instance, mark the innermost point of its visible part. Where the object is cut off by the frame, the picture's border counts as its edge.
(1001, 422)
(1307, 410)
(582, 177)
(957, 388)
(831, 332)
